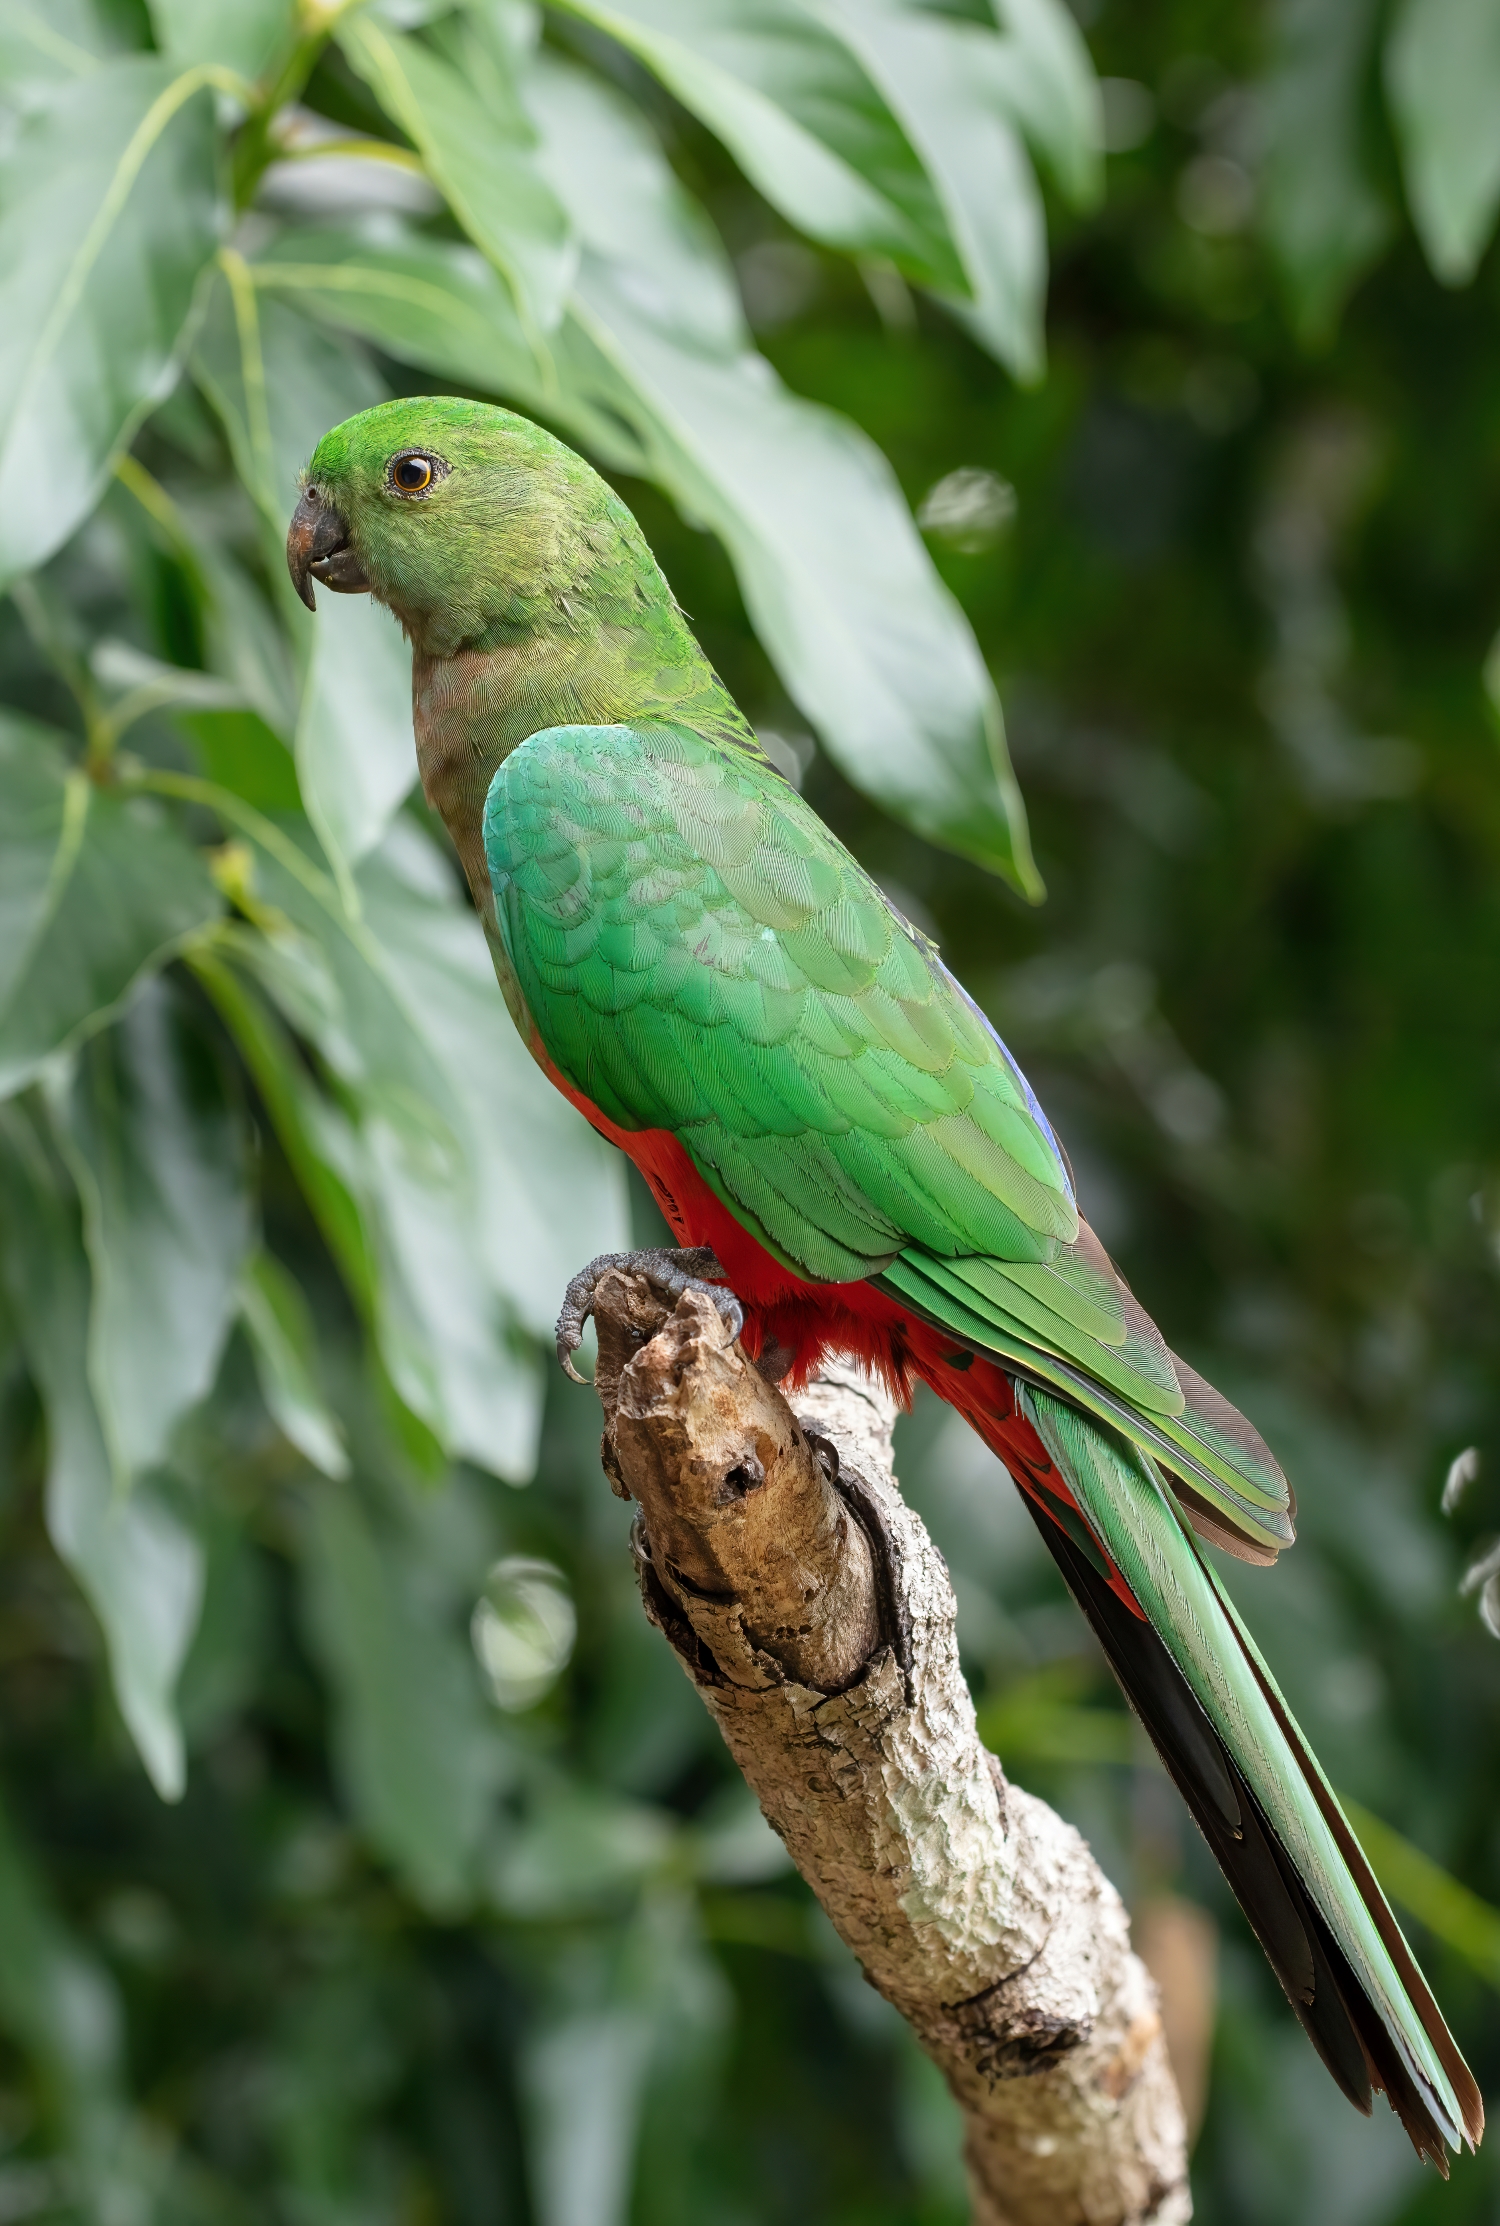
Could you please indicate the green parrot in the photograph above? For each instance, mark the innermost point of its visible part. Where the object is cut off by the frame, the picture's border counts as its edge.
(850, 1158)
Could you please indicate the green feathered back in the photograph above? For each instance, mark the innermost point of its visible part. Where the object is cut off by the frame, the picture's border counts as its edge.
(701, 954)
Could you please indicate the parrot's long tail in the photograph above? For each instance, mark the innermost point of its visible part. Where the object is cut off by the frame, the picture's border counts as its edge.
(1192, 1673)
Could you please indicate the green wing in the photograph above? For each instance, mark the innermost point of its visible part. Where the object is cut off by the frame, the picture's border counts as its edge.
(1225, 1475)
(699, 953)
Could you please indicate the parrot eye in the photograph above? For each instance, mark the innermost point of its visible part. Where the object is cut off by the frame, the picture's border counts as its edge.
(411, 474)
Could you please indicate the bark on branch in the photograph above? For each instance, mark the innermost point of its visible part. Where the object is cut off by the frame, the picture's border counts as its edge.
(814, 1615)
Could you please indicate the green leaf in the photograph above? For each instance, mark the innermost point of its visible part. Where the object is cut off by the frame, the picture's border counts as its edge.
(329, 977)
(799, 115)
(404, 1166)
(135, 685)
(419, 1753)
(421, 300)
(356, 759)
(480, 155)
(277, 383)
(1054, 93)
(473, 1234)
(244, 643)
(110, 214)
(446, 1333)
(1442, 70)
(244, 35)
(283, 1337)
(1324, 220)
(732, 1844)
(583, 2083)
(217, 1688)
(300, 1121)
(523, 1630)
(96, 891)
(139, 1565)
(44, 43)
(475, 1192)
(886, 129)
(159, 1152)
(549, 1192)
(642, 2005)
(951, 85)
(579, 1850)
(239, 752)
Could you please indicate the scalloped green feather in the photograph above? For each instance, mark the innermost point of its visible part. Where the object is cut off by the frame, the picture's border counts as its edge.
(701, 954)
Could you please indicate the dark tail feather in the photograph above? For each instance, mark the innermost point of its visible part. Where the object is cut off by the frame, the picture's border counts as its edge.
(1342, 2023)
(1465, 2088)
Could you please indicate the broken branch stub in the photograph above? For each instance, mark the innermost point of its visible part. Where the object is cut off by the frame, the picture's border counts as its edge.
(815, 1617)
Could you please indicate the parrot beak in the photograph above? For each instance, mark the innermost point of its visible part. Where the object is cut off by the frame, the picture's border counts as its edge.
(317, 548)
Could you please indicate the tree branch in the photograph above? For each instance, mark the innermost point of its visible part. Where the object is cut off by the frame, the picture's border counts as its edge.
(812, 1611)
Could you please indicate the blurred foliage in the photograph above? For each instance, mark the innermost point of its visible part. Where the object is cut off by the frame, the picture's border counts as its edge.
(453, 1910)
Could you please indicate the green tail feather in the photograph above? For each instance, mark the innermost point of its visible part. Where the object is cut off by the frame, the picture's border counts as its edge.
(1128, 1507)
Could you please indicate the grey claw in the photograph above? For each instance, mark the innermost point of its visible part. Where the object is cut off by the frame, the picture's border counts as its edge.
(693, 1267)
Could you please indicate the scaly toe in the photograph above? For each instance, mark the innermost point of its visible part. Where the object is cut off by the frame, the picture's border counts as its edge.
(669, 1272)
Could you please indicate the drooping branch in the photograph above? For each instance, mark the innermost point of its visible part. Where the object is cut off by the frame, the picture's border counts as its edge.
(815, 1616)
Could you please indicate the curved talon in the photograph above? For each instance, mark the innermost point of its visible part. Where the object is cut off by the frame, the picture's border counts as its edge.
(690, 1268)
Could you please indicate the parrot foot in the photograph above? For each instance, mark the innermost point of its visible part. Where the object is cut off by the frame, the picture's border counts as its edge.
(669, 1272)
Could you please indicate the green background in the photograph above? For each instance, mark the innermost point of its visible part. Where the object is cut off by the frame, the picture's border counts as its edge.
(399, 1955)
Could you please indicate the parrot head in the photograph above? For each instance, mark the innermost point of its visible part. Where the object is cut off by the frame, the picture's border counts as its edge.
(462, 518)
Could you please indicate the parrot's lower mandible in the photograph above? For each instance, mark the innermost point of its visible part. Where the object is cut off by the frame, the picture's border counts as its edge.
(705, 971)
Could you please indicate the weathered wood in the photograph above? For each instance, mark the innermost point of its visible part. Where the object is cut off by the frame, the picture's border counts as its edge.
(815, 1616)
